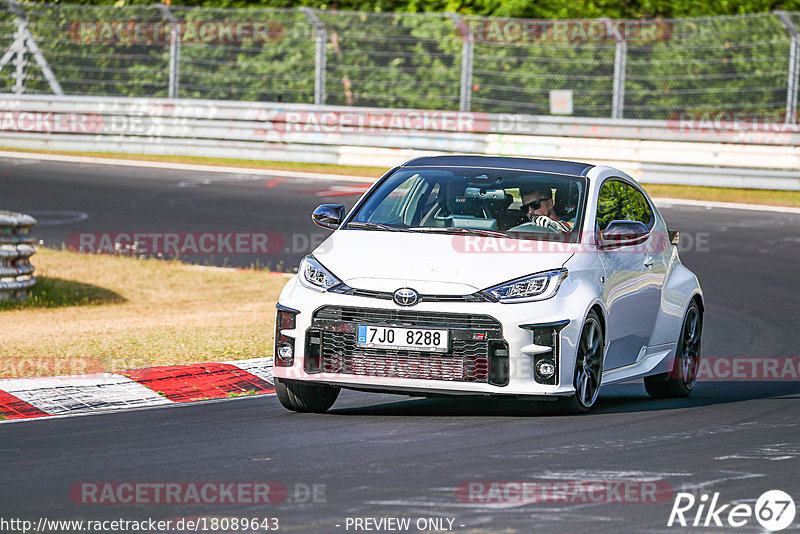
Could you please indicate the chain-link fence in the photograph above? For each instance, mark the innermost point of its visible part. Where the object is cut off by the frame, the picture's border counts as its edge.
(592, 68)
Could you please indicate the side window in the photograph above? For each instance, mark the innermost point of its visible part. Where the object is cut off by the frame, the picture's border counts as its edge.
(611, 203)
(639, 208)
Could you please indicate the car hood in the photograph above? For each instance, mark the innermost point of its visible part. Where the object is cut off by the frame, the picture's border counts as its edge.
(433, 263)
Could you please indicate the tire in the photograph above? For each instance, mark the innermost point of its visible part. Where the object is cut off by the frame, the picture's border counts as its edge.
(305, 398)
(588, 367)
(681, 380)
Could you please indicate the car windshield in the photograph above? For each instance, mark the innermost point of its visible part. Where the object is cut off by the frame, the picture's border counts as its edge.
(518, 204)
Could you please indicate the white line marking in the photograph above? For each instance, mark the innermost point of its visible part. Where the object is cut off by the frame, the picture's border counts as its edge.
(260, 367)
(136, 408)
(185, 166)
(84, 393)
(51, 218)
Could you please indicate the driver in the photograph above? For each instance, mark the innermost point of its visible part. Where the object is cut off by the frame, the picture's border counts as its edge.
(537, 204)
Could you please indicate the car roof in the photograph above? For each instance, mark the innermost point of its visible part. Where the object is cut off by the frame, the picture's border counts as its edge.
(572, 168)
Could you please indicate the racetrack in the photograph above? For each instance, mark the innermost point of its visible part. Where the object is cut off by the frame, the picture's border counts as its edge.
(382, 455)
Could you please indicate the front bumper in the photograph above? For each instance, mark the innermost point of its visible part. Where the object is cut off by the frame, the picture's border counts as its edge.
(493, 348)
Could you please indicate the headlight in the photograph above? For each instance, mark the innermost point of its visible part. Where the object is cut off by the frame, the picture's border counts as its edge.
(314, 276)
(539, 286)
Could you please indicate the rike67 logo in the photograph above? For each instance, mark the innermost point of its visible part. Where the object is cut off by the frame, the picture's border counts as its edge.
(774, 510)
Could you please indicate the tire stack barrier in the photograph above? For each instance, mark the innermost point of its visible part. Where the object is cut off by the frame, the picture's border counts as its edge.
(16, 249)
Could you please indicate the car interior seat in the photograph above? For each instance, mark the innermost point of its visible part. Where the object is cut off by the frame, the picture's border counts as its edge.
(567, 196)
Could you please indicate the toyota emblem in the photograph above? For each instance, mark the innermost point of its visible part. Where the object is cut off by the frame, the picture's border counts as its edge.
(405, 296)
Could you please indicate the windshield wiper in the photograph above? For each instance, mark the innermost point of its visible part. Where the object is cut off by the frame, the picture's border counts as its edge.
(374, 226)
(456, 230)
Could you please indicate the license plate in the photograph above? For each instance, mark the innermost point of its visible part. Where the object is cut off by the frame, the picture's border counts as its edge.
(390, 337)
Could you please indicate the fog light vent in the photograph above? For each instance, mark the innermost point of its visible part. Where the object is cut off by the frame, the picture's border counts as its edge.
(498, 363)
(286, 354)
(545, 364)
(545, 368)
(286, 319)
(313, 356)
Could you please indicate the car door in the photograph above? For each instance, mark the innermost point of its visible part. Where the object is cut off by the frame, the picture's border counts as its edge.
(634, 275)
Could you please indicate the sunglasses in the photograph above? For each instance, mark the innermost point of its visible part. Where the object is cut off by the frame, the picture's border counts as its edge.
(534, 204)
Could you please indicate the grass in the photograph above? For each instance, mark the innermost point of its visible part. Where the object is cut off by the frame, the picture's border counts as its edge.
(724, 194)
(719, 194)
(58, 293)
(245, 393)
(92, 313)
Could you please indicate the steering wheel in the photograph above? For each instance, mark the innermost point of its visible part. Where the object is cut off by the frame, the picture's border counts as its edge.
(532, 228)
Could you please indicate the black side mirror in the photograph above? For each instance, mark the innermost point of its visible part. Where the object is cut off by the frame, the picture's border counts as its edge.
(623, 233)
(328, 216)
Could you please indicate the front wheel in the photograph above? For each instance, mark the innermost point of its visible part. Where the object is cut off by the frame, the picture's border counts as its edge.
(681, 380)
(305, 397)
(588, 367)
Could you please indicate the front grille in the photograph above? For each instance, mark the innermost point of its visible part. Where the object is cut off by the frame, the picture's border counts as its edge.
(406, 318)
(386, 295)
(476, 352)
(468, 361)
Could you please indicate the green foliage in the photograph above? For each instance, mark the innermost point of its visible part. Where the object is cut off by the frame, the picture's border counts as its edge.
(412, 60)
(540, 9)
(618, 202)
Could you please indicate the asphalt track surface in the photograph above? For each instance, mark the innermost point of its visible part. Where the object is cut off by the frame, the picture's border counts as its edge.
(390, 456)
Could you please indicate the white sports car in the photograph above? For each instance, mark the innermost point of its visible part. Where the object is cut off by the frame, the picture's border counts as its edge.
(473, 275)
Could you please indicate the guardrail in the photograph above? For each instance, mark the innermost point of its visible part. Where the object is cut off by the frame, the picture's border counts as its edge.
(16, 248)
(725, 154)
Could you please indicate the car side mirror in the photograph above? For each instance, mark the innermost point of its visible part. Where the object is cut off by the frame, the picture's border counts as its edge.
(623, 233)
(328, 216)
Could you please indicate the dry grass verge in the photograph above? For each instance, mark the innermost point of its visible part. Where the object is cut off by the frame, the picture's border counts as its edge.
(92, 313)
(723, 194)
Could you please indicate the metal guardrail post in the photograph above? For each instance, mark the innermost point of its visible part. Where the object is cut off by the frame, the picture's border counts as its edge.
(20, 61)
(16, 248)
(620, 71)
(321, 55)
(174, 50)
(467, 54)
(794, 67)
(24, 42)
(620, 67)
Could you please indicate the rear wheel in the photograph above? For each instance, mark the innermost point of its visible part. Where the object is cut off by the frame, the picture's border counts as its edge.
(305, 397)
(588, 367)
(681, 380)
